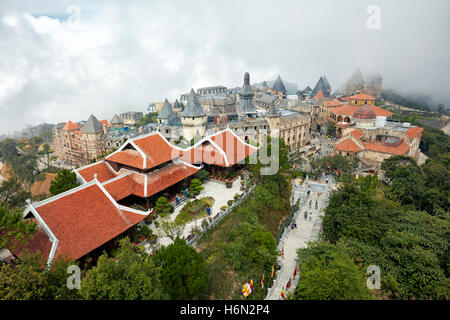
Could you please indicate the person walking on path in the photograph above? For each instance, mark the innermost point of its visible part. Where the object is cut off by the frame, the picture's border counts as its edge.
(208, 210)
(177, 200)
(306, 215)
(310, 216)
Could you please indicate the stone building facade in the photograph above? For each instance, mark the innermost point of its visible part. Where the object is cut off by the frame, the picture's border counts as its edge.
(78, 144)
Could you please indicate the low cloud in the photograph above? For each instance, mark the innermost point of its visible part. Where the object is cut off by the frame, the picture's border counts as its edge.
(63, 60)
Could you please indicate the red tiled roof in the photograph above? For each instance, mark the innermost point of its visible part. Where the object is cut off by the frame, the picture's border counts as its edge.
(157, 181)
(361, 96)
(121, 187)
(401, 149)
(168, 176)
(357, 133)
(128, 157)
(84, 220)
(155, 148)
(319, 95)
(234, 149)
(39, 242)
(332, 103)
(348, 145)
(349, 110)
(346, 109)
(105, 122)
(70, 126)
(206, 153)
(102, 170)
(414, 132)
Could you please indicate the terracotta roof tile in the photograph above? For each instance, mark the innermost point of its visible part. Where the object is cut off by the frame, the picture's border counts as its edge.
(234, 149)
(414, 132)
(349, 110)
(102, 170)
(84, 220)
(319, 95)
(401, 149)
(348, 145)
(127, 157)
(70, 126)
(157, 181)
(157, 150)
(361, 96)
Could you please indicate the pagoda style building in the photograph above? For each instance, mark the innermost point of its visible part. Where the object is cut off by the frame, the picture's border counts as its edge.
(83, 222)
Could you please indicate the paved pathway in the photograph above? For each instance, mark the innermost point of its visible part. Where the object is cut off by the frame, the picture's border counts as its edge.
(307, 230)
(221, 195)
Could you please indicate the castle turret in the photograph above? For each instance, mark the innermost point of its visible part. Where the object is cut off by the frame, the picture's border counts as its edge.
(246, 107)
(193, 118)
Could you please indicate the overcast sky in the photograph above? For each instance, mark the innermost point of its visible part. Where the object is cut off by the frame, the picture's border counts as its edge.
(63, 60)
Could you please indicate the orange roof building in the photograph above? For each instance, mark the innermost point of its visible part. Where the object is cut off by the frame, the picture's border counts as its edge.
(79, 221)
(373, 144)
(87, 217)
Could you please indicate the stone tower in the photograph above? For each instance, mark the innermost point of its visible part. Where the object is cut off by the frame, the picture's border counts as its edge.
(355, 83)
(246, 107)
(193, 118)
(374, 84)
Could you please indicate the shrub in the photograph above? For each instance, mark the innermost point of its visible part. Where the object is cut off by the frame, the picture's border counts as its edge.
(223, 208)
(195, 187)
(230, 202)
(162, 206)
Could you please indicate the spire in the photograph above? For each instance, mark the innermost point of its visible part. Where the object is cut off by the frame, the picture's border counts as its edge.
(116, 120)
(193, 107)
(246, 106)
(320, 86)
(166, 110)
(176, 105)
(92, 125)
(279, 85)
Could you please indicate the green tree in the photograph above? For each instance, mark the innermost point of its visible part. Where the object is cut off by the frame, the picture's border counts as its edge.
(151, 117)
(328, 273)
(331, 129)
(195, 187)
(13, 229)
(12, 193)
(130, 276)
(46, 150)
(23, 282)
(162, 206)
(65, 180)
(183, 271)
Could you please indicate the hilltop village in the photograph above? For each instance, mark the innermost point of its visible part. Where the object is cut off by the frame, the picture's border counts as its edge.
(191, 170)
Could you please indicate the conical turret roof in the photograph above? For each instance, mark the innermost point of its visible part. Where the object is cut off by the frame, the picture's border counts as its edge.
(116, 120)
(193, 107)
(326, 83)
(176, 105)
(166, 110)
(320, 86)
(92, 125)
(279, 85)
